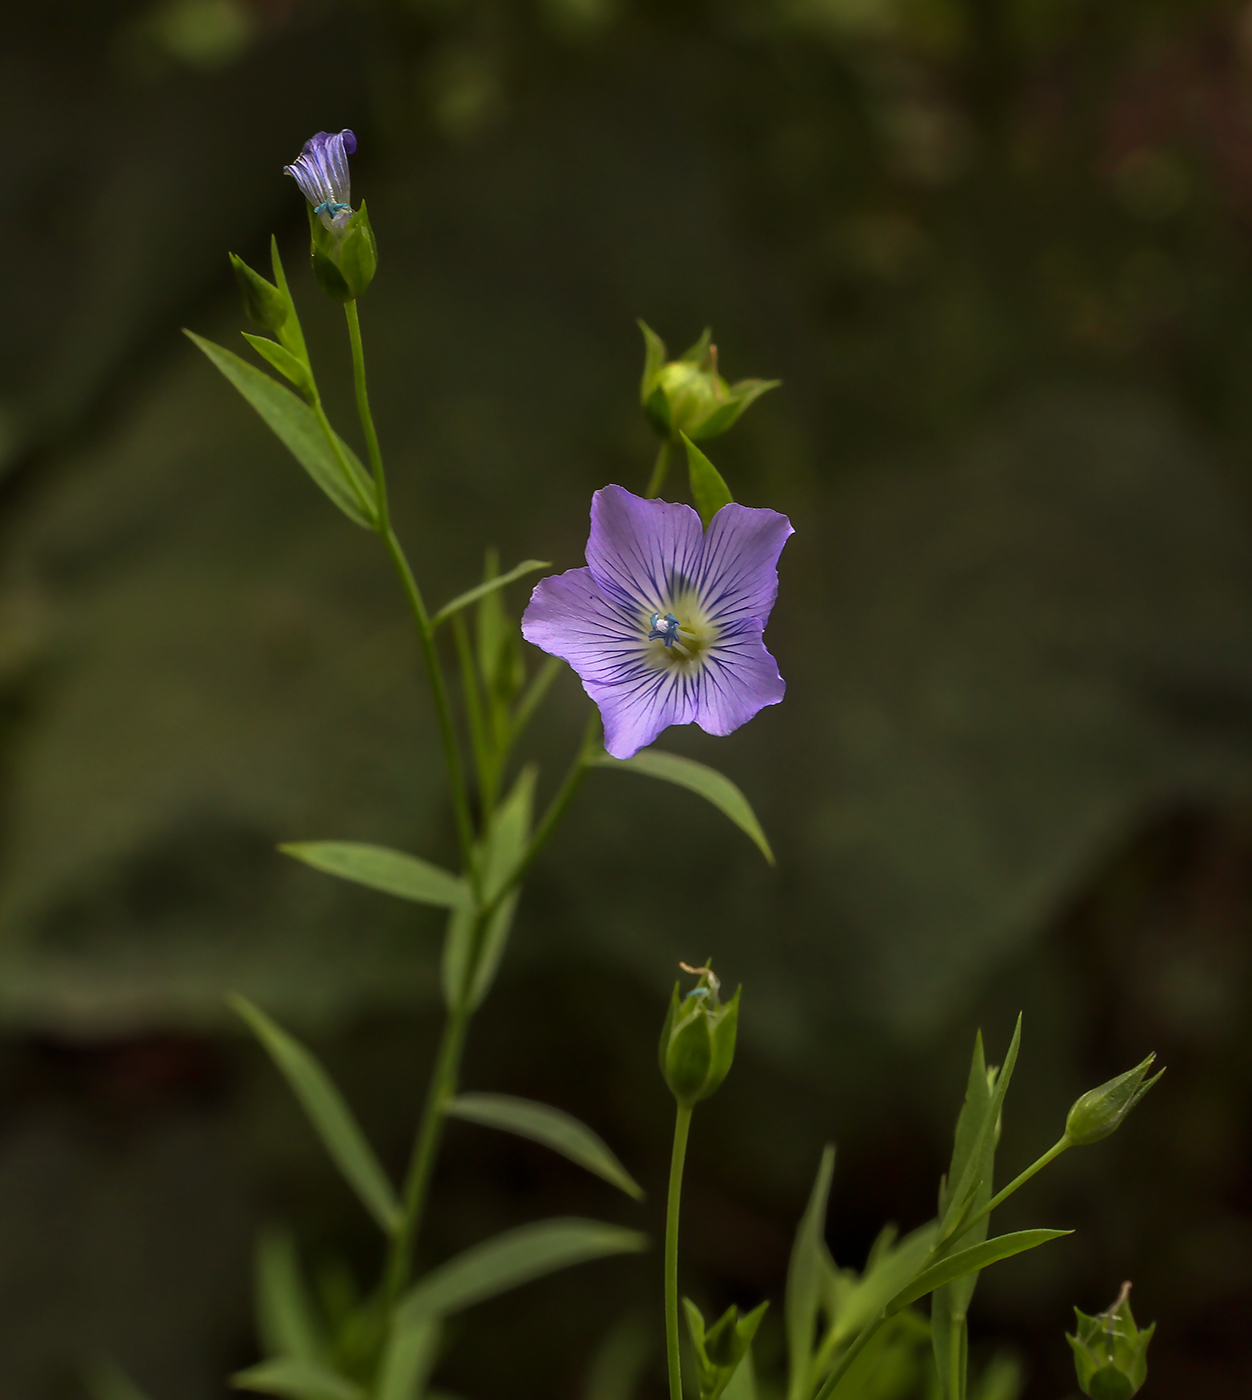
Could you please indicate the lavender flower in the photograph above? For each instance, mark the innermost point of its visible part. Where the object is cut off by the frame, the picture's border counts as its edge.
(664, 625)
(321, 171)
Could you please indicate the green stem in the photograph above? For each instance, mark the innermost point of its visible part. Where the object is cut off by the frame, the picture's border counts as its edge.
(682, 1126)
(426, 635)
(443, 1084)
(956, 1373)
(1050, 1155)
(657, 479)
(551, 819)
(863, 1340)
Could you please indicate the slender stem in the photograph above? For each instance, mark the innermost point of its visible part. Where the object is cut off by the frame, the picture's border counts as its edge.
(426, 635)
(682, 1126)
(363, 411)
(443, 1083)
(657, 479)
(1050, 1155)
(864, 1338)
(956, 1374)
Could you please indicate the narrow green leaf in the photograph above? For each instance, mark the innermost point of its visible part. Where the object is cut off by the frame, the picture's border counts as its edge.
(549, 1126)
(295, 425)
(298, 1380)
(978, 1168)
(285, 1317)
(329, 1113)
(287, 364)
(708, 490)
(408, 1359)
(471, 954)
(513, 1258)
(393, 872)
(463, 600)
(107, 1381)
(619, 1362)
(698, 778)
(968, 1261)
(290, 332)
(806, 1273)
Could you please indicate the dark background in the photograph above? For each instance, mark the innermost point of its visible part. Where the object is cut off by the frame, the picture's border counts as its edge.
(998, 250)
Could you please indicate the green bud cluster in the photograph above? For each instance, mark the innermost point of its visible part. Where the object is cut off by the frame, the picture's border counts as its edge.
(1102, 1111)
(344, 260)
(687, 395)
(721, 1348)
(1110, 1352)
(698, 1040)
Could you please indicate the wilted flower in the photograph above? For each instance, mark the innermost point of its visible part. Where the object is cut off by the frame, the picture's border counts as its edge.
(698, 1039)
(665, 624)
(1110, 1351)
(321, 171)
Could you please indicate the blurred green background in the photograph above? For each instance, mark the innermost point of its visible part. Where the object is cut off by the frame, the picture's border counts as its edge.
(998, 250)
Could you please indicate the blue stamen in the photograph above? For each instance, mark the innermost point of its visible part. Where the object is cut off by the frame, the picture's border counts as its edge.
(664, 629)
(696, 992)
(331, 207)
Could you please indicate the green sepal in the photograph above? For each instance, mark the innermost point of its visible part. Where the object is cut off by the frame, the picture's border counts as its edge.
(358, 253)
(694, 354)
(294, 368)
(742, 396)
(653, 359)
(264, 302)
(708, 488)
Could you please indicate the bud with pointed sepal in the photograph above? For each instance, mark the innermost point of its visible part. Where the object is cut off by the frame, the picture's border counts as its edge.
(1110, 1352)
(720, 1349)
(688, 395)
(1103, 1110)
(698, 1039)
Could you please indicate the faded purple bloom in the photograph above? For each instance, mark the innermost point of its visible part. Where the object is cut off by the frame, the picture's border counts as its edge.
(664, 625)
(321, 171)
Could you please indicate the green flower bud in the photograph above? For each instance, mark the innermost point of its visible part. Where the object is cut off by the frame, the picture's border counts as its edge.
(262, 300)
(1101, 1111)
(698, 1039)
(688, 395)
(721, 1348)
(344, 259)
(1110, 1352)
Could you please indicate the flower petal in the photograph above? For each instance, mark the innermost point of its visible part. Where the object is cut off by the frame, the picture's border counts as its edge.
(739, 677)
(738, 578)
(321, 169)
(570, 617)
(642, 552)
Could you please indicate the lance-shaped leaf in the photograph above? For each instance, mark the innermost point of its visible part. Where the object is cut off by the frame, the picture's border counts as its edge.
(295, 425)
(968, 1261)
(285, 1317)
(700, 779)
(960, 1195)
(329, 1114)
(618, 1364)
(393, 872)
(549, 1126)
(297, 1380)
(806, 1275)
(513, 1258)
(472, 953)
(708, 490)
(408, 1358)
(472, 595)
